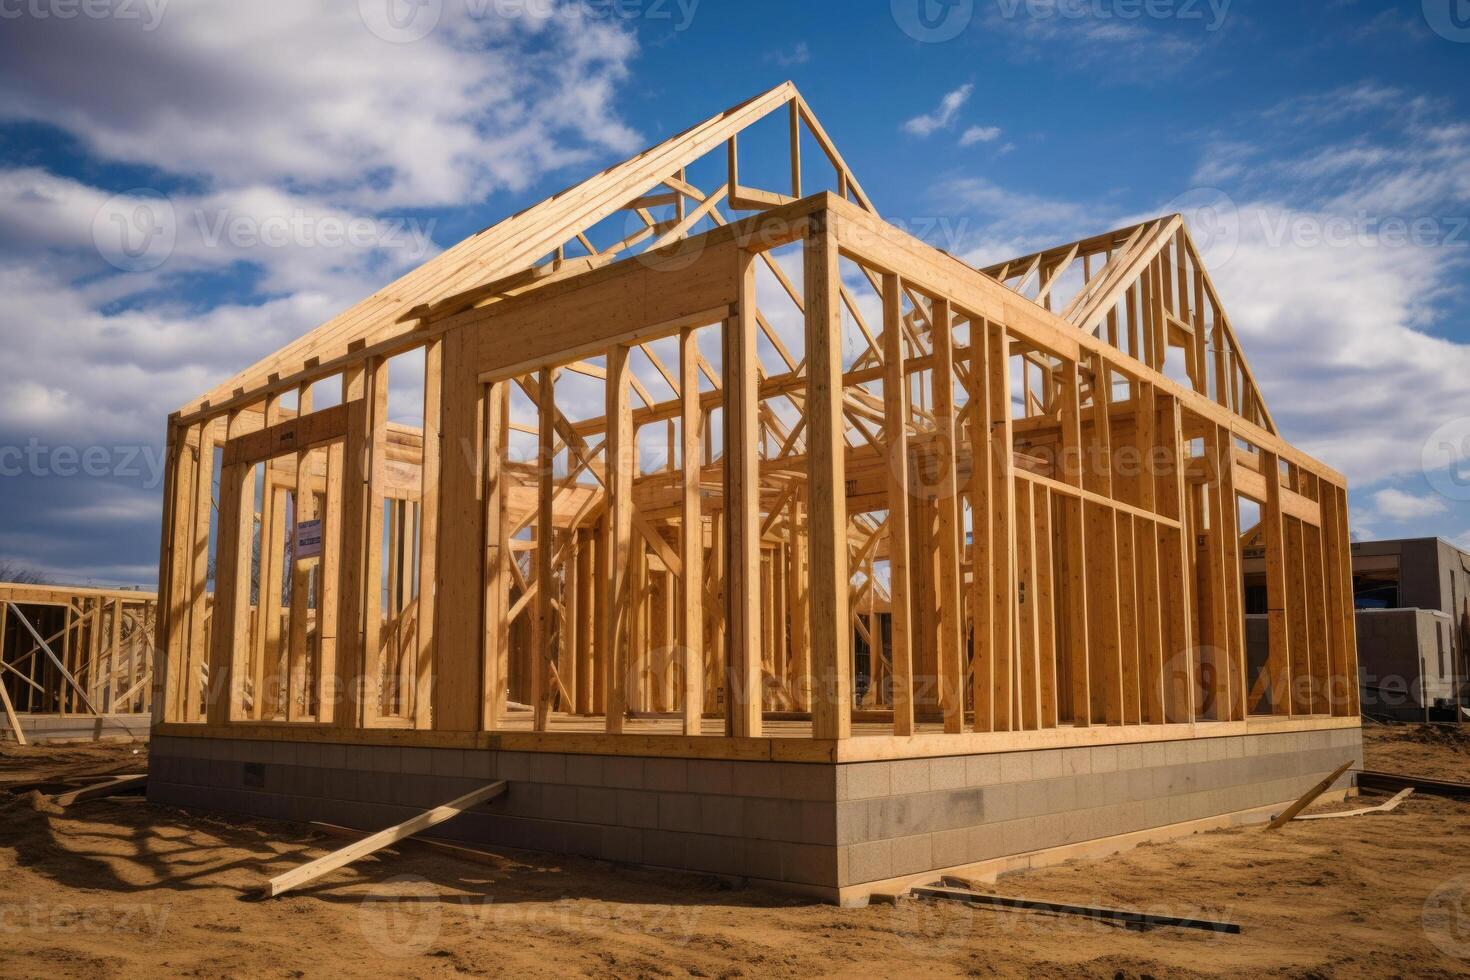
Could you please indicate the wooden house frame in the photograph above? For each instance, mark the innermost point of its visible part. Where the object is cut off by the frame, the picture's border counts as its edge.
(75, 661)
(1015, 491)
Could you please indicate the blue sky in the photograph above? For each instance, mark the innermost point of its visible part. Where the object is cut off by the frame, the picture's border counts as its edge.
(315, 150)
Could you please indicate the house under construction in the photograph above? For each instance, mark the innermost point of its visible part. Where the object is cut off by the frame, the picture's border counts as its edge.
(743, 532)
(75, 662)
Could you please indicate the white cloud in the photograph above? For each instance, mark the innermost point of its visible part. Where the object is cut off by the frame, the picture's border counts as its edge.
(1012, 222)
(303, 93)
(943, 115)
(1399, 505)
(1340, 287)
(979, 134)
(295, 150)
(1082, 36)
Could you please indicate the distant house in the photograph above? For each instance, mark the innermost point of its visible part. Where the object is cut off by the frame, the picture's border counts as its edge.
(1413, 601)
(1412, 597)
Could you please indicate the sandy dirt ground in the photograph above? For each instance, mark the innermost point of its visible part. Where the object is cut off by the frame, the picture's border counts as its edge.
(122, 888)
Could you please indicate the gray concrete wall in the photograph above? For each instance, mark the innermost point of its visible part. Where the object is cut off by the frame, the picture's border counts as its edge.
(62, 728)
(812, 824)
(756, 819)
(904, 817)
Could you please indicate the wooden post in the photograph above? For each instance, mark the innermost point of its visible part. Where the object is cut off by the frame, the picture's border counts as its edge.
(585, 622)
(495, 655)
(1278, 658)
(423, 669)
(1151, 539)
(459, 695)
(799, 583)
(743, 692)
(372, 563)
(303, 509)
(1075, 531)
(621, 447)
(831, 629)
(349, 686)
(545, 535)
(230, 631)
(186, 471)
(691, 539)
(1003, 528)
(896, 438)
(1176, 566)
(266, 641)
(982, 670)
(951, 608)
(329, 582)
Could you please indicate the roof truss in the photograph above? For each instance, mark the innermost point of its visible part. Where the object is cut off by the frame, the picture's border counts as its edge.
(1146, 291)
(549, 240)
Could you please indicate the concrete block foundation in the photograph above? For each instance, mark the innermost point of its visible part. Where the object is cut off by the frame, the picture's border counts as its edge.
(40, 729)
(822, 828)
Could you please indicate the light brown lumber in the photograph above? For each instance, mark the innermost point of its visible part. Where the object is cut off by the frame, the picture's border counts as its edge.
(545, 622)
(831, 634)
(949, 526)
(54, 659)
(108, 787)
(740, 366)
(442, 847)
(895, 435)
(691, 536)
(20, 736)
(1387, 807)
(313, 870)
(1305, 800)
(617, 539)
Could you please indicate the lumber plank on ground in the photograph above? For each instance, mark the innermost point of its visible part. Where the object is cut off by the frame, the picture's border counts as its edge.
(1392, 804)
(312, 870)
(1286, 816)
(431, 843)
(1126, 917)
(108, 787)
